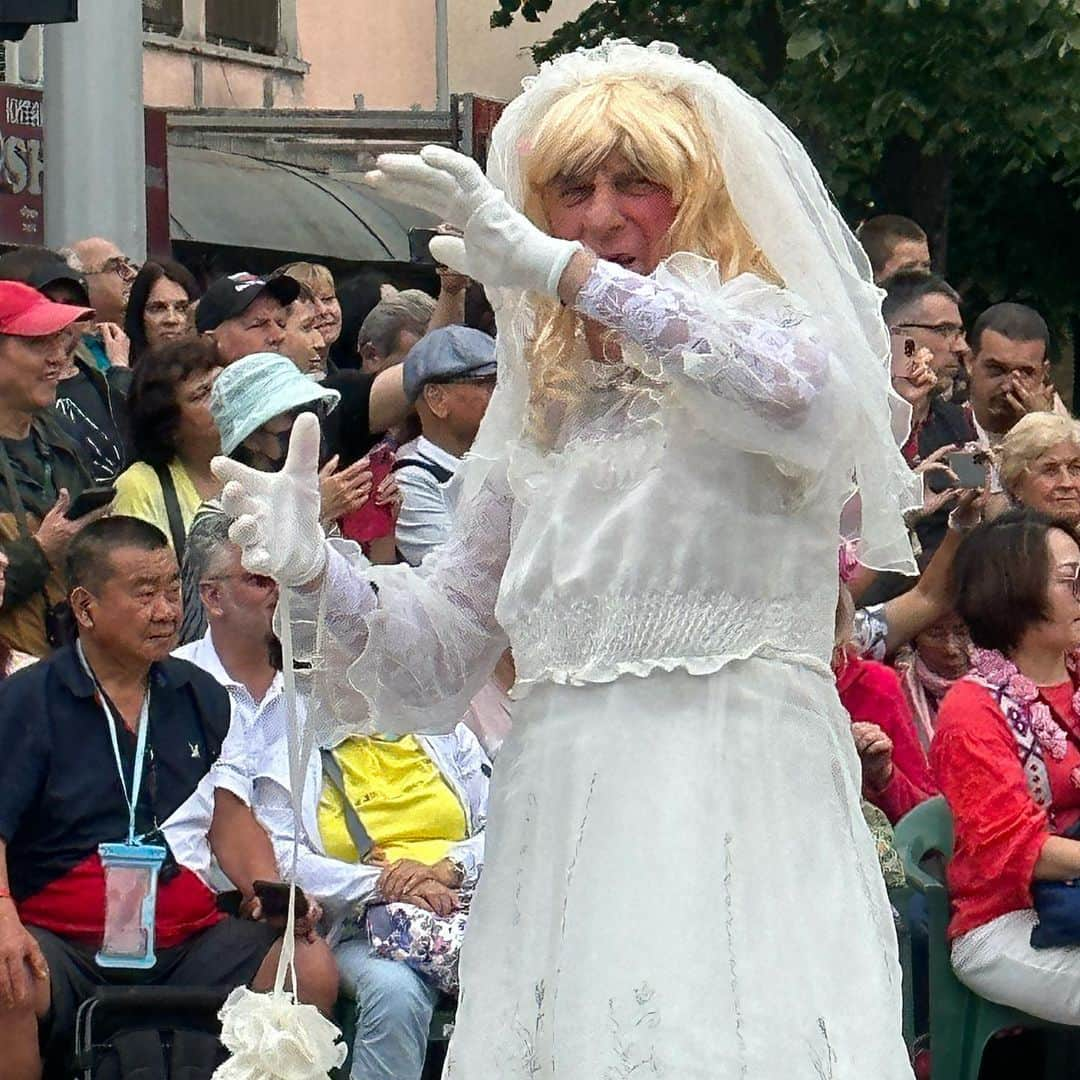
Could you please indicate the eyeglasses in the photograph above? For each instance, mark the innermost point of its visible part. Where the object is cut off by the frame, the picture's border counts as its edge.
(1073, 582)
(946, 331)
(256, 581)
(120, 265)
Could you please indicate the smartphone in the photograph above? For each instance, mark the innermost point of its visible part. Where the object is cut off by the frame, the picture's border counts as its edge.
(372, 521)
(88, 500)
(903, 356)
(419, 252)
(970, 468)
(274, 898)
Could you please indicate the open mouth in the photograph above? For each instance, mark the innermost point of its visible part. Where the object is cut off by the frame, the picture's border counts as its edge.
(625, 261)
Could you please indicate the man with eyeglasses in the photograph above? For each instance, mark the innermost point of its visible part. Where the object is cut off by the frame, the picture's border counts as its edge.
(239, 648)
(926, 308)
(109, 274)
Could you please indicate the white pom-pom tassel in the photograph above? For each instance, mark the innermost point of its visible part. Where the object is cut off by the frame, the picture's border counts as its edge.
(271, 1037)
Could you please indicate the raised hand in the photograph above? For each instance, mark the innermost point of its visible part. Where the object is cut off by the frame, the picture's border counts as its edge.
(501, 247)
(276, 515)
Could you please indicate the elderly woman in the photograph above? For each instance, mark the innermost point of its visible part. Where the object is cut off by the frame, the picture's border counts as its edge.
(422, 803)
(160, 307)
(688, 338)
(1006, 755)
(930, 666)
(1039, 465)
(174, 435)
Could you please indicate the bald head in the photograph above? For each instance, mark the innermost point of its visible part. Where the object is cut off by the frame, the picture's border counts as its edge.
(109, 274)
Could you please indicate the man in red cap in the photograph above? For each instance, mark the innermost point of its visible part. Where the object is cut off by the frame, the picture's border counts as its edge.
(41, 468)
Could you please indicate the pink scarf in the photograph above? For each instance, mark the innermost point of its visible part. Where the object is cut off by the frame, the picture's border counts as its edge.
(924, 689)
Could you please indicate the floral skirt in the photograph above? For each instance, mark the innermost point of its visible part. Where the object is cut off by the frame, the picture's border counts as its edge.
(680, 883)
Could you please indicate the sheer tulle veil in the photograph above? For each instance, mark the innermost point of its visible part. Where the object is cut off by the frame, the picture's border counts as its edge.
(781, 199)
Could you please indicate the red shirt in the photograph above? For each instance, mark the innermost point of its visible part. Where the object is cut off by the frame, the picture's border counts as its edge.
(871, 693)
(73, 906)
(999, 828)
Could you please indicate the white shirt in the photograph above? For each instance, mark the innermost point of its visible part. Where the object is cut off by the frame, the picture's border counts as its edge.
(252, 727)
(426, 508)
(262, 722)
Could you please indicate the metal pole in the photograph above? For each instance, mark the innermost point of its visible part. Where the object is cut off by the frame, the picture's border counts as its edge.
(95, 155)
(442, 56)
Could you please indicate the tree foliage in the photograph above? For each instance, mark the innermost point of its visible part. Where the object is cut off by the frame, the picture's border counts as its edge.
(964, 114)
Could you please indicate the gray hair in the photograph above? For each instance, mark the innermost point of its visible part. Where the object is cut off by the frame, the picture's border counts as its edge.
(207, 540)
(410, 309)
(72, 259)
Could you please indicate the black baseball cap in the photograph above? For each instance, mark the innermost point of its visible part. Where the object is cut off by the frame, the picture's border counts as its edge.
(41, 268)
(233, 295)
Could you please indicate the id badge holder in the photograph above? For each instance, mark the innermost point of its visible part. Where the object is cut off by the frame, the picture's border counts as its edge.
(131, 880)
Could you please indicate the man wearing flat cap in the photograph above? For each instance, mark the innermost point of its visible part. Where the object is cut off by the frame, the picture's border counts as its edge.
(449, 375)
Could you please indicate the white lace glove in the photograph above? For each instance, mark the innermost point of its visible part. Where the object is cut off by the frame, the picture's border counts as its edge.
(276, 515)
(501, 247)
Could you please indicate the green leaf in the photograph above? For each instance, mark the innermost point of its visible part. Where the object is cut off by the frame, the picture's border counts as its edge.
(803, 42)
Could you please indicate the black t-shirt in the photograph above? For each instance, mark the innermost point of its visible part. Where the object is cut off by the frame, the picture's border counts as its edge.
(60, 793)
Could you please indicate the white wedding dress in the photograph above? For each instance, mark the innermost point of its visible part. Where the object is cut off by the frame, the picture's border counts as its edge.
(679, 882)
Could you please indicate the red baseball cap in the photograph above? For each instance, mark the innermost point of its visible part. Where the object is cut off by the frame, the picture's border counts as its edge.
(24, 312)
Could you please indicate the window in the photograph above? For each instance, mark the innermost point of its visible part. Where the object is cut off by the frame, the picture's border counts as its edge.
(247, 24)
(164, 16)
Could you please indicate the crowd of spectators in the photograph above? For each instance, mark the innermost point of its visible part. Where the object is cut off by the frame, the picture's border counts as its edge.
(123, 600)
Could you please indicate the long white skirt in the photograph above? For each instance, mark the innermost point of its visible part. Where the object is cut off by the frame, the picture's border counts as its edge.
(679, 883)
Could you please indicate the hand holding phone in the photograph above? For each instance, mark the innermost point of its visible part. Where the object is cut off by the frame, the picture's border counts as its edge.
(903, 356)
(372, 521)
(971, 468)
(88, 500)
(273, 897)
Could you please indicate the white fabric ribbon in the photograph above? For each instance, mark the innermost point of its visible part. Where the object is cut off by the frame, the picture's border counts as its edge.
(273, 1036)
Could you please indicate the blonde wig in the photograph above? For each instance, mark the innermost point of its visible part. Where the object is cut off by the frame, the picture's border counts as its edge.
(658, 132)
(1029, 440)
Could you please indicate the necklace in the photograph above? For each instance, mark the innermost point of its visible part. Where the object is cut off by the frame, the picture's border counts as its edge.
(1020, 701)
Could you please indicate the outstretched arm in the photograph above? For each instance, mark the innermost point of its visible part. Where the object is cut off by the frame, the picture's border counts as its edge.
(427, 639)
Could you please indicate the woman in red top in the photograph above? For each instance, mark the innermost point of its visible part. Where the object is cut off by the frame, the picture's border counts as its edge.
(1006, 755)
(895, 773)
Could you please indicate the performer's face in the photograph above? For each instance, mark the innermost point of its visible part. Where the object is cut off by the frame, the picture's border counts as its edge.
(616, 212)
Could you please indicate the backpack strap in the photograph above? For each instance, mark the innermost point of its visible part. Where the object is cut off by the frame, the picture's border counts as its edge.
(357, 833)
(440, 472)
(172, 510)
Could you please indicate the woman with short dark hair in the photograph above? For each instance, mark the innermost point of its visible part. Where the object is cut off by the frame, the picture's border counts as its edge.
(1006, 755)
(161, 306)
(174, 435)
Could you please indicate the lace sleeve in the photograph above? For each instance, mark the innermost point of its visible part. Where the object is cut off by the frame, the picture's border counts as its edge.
(393, 649)
(747, 342)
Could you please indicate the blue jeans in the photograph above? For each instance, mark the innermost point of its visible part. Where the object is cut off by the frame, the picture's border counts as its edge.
(393, 1013)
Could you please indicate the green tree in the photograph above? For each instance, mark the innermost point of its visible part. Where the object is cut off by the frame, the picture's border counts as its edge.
(964, 114)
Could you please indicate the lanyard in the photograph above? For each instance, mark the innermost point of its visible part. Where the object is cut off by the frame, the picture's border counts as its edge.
(111, 722)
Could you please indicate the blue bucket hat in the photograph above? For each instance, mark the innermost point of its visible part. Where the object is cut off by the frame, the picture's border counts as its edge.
(257, 388)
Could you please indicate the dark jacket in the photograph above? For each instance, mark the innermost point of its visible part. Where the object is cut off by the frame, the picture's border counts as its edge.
(92, 409)
(946, 424)
(32, 583)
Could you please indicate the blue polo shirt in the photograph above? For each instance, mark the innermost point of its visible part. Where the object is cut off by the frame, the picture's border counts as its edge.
(60, 792)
